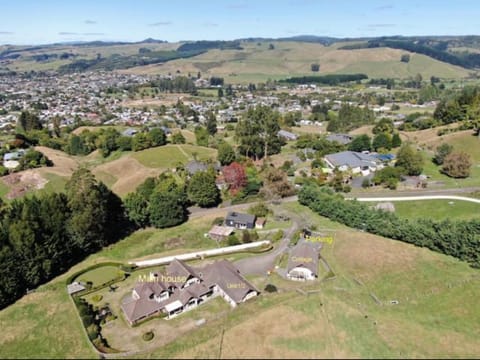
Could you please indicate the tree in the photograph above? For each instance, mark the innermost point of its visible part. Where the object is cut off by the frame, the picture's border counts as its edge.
(220, 93)
(28, 121)
(226, 154)
(410, 160)
(87, 223)
(257, 132)
(457, 165)
(235, 176)
(167, 209)
(124, 143)
(442, 152)
(201, 136)
(276, 184)
(156, 137)
(211, 123)
(360, 143)
(140, 142)
(396, 140)
(202, 189)
(136, 206)
(271, 47)
(178, 138)
(315, 67)
(405, 58)
(385, 125)
(382, 141)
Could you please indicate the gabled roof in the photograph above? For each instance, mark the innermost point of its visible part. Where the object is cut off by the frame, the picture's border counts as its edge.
(194, 166)
(304, 254)
(178, 268)
(240, 217)
(351, 159)
(340, 138)
(226, 276)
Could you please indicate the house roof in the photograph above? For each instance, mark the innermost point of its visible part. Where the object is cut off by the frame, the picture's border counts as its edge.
(351, 159)
(217, 230)
(304, 254)
(178, 268)
(240, 217)
(195, 166)
(287, 134)
(340, 138)
(228, 278)
(137, 309)
(75, 287)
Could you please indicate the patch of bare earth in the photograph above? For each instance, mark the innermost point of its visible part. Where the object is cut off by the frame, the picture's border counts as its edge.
(129, 172)
(22, 182)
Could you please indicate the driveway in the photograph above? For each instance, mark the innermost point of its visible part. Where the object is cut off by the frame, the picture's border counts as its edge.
(259, 265)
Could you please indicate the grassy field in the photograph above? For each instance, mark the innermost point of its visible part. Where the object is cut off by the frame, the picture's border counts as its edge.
(4, 189)
(436, 316)
(258, 63)
(437, 209)
(170, 156)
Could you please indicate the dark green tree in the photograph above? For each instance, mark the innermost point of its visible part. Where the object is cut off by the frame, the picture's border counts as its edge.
(442, 151)
(202, 190)
(396, 140)
(410, 160)
(211, 123)
(226, 154)
(360, 143)
(382, 141)
(178, 138)
(257, 132)
(156, 137)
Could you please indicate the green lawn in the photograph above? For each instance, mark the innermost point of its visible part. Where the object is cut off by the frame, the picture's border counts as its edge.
(100, 276)
(4, 189)
(169, 156)
(437, 209)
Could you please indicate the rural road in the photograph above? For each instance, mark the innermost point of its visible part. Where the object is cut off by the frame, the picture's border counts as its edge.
(416, 198)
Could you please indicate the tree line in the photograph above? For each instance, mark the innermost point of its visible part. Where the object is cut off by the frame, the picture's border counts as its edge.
(42, 236)
(460, 239)
(330, 79)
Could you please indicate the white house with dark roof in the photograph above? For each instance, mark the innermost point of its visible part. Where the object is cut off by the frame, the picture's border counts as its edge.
(303, 262)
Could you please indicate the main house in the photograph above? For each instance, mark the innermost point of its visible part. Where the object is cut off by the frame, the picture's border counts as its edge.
(183, 288)
(357, 162)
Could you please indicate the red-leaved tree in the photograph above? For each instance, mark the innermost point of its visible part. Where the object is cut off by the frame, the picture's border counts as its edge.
(235, 177)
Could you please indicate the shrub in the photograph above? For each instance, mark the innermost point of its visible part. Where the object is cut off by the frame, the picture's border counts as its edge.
(259, 210)
(277, 236)
(233, 240)
(270, 288)
(148, 336)
(97, 298)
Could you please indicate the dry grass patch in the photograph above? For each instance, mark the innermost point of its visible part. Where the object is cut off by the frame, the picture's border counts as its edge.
(128, 172)
(63, 164)
(367, 256)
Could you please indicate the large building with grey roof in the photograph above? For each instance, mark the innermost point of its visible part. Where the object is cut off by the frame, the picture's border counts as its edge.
(183, 287)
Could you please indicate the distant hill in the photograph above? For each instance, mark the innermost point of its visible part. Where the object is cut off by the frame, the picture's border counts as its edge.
(258, 59)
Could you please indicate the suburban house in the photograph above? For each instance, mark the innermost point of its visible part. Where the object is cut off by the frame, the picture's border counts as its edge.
(129, 132)
(183, 288)
(287, 135)
(355, 161)
(303, 261)
(239, 220)
(343, 139)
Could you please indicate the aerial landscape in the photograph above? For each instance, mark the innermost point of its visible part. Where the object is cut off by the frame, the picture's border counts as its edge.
(240, 179)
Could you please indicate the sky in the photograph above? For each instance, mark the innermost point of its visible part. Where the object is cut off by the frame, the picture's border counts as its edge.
(47, 21)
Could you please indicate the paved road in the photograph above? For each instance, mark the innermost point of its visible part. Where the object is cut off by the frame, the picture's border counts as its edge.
(419, 197)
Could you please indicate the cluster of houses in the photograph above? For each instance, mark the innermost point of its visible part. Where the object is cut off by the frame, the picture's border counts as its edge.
(11, 159)
(183, 287)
